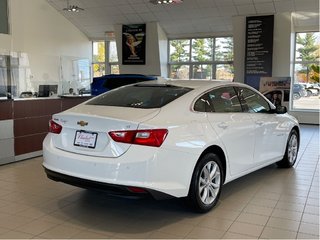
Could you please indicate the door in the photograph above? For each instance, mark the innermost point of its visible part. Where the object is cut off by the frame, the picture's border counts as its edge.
(234, 128)
(269, 134)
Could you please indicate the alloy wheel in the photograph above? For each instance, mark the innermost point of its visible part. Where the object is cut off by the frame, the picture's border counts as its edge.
(292, 148)
(209, 182)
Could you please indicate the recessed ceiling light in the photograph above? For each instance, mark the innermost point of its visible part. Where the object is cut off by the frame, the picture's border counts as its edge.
(72, 8)
(156, 2)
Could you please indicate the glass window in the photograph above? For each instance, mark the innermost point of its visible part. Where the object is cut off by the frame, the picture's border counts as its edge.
(252, 101)
(202, 71)
(140, 96)
(179, 71)
(202, 49)
(103, 64)
(201, 58)
(99, 69)
(115, 69)
(224, 100)
(203, 105)
(224, 49)
(98, 59)
(98, 52)
(306, 71)
(179, 50)
(113, 54)
(224, 72)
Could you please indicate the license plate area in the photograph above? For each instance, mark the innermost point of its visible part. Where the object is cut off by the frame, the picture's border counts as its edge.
(85, 139)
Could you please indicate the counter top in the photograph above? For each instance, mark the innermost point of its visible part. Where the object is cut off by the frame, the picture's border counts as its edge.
(46, 98)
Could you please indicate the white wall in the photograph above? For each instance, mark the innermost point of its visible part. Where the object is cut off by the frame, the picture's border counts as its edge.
(282, 60)
(41, 32)
(239, 46)
(156, 52)
(163, 51)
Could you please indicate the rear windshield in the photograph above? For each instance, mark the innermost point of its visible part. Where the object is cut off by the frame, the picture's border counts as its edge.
(113, 83)
(140, 96)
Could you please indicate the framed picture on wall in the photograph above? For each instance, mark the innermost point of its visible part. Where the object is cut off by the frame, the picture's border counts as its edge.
(134, 44)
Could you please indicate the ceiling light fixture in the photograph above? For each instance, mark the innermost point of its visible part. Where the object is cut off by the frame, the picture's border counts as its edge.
(72, 8)
(156, 2)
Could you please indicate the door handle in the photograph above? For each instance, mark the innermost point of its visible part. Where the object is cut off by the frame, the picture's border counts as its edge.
(222, 125)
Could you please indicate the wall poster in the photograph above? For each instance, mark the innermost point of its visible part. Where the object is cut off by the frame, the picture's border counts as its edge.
(134, 44)
(276, 89)
(259, 49)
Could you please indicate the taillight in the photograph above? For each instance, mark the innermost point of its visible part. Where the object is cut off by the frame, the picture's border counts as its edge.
(148, 137)
(54, 127)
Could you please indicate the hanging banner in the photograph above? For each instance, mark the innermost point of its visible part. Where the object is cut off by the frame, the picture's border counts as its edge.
(259, 49)
(134, 44)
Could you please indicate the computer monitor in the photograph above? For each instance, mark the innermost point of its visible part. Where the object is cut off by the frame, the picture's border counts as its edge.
(47, 90)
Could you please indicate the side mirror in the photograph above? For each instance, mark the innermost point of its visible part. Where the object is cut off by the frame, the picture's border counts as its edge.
(281, 110)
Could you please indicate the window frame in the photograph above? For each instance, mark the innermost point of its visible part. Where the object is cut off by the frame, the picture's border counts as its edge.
(192, 63)
(108, 64)
(293, 71)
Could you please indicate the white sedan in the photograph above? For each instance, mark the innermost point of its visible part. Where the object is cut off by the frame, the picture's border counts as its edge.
(169, 139)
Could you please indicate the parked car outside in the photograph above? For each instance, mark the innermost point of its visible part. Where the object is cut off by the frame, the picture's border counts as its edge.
(183, 139)
(299, 91)
(311, 90)
(108, 82)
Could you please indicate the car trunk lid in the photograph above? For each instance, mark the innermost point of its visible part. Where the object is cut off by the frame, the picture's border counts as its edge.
(85, 128)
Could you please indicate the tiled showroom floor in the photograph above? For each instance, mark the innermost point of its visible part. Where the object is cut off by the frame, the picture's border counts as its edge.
(270, 203)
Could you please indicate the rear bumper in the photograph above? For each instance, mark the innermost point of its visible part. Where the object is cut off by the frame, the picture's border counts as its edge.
(111, 189)
(165, 172)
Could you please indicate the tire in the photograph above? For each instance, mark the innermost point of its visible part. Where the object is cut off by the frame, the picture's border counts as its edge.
(296, 96)
(205, 190)
(292, 149)
(309, 93)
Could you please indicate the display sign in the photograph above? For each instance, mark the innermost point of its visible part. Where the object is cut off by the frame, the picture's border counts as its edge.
(259, 49)
(276, 89)
(134, 44)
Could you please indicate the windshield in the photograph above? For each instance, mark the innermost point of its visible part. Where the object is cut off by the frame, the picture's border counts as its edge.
(140, 96)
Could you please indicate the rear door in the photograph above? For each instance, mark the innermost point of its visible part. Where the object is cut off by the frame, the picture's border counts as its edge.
(234, 128)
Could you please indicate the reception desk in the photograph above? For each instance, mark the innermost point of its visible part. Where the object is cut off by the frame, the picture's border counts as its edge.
(24, 125)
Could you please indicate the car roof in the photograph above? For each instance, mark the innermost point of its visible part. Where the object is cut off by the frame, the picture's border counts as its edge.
(198, 85)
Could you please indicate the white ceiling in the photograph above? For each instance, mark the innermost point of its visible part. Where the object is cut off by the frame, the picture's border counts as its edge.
(191, 18)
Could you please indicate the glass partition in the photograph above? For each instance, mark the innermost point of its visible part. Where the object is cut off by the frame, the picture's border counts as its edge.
(19, 80)
(75, 76)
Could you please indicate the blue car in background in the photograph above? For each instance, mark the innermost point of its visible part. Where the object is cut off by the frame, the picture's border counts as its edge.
(108, 82)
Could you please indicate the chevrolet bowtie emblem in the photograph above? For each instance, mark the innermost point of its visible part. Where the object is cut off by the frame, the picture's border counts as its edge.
(82, 123)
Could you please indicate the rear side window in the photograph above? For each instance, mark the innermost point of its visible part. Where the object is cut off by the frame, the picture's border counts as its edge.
(219, 100)
(140, 96)
(225, 99)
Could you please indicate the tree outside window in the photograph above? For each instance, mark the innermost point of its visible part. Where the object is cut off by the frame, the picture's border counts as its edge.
(306, 71)
(201, 58)
(98, 58)
(307, 57)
